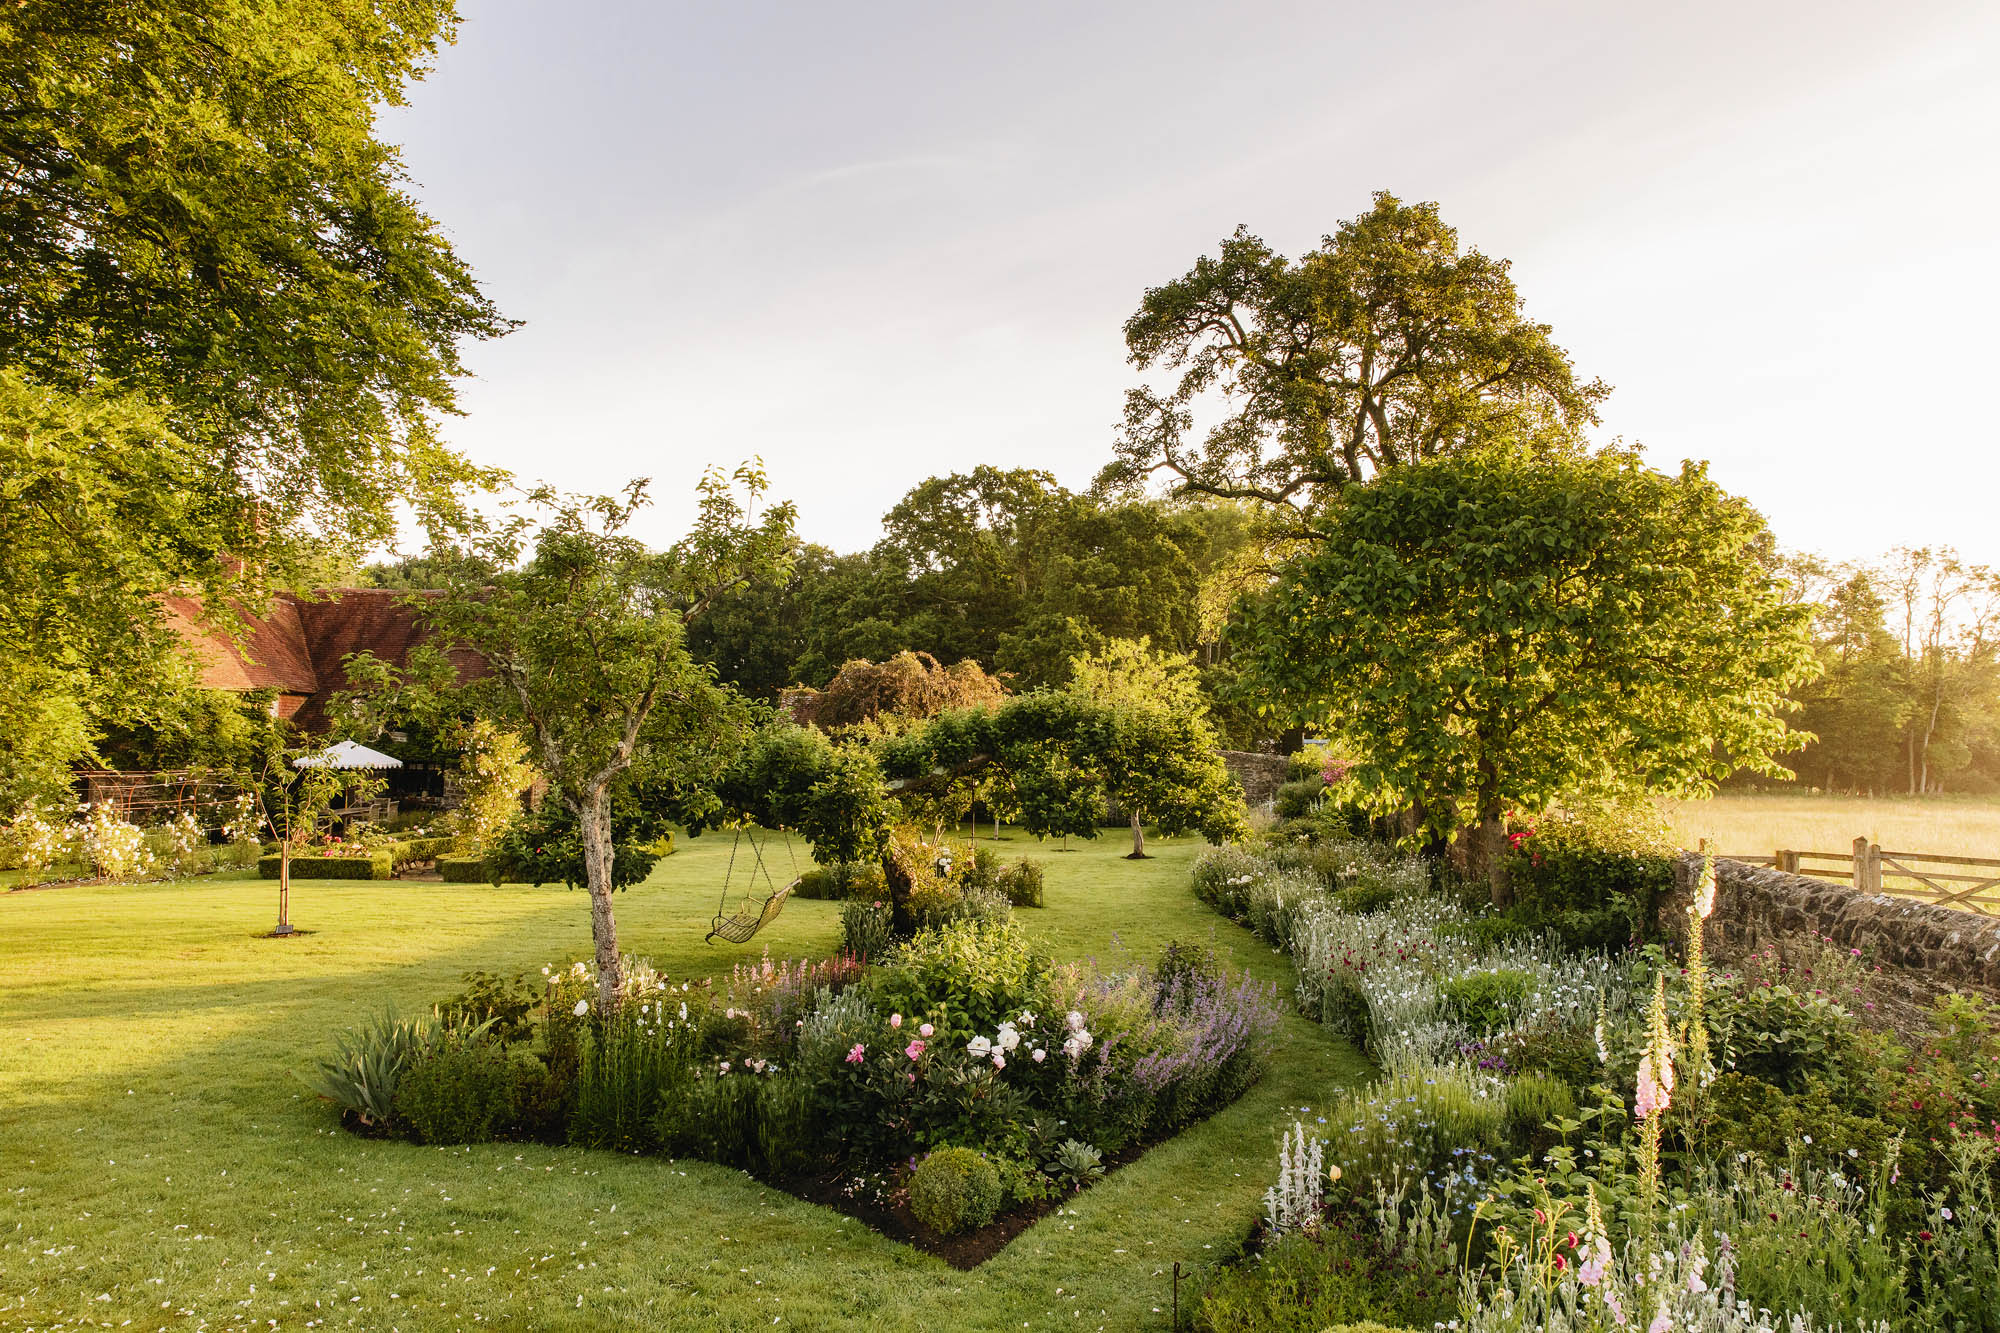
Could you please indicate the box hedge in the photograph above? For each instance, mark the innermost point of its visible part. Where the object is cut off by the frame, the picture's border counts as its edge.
(463, 870)
(422, 849)
(375, 865)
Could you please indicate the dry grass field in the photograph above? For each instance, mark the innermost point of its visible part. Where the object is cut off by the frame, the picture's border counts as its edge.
(1760, 824)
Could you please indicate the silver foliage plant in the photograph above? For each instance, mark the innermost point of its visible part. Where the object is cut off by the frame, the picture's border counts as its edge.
(1300, 1194)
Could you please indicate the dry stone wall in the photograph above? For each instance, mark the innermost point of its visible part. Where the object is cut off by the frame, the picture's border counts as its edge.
(1924, 950)
(1258, 774)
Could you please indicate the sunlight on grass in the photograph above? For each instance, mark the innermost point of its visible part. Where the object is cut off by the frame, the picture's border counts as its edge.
(164, 1164)
(1760, 825)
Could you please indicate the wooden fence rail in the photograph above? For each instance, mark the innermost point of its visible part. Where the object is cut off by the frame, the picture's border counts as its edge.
(1923, 875)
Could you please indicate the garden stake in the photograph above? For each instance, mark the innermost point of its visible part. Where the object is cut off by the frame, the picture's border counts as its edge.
(1177, 1296)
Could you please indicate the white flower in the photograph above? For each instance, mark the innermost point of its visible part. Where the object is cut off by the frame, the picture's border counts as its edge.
(1007, 1038)
(582, 1008)
(684, 1011)
(999, 1060)
(1027, 1018)
(1075, 1021)
(979, 1047)
(1077, 1043)
(1040, 1055)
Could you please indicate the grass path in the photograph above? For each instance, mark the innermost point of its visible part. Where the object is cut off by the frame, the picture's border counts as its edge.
(159, 1162)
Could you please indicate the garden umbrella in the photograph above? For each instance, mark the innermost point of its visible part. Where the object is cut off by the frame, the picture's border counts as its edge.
(346, 754)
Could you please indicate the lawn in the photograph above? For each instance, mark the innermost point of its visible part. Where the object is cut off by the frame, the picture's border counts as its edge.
(164, 1167)
(1761, 824)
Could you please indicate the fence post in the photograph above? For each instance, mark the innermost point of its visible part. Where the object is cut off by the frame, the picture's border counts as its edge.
(1861, 865)
(1788, 861)
(1874, 867)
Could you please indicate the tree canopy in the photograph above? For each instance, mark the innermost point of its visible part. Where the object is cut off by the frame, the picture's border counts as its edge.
(226, 331)
(582, 632)
(1386, 346)
(1492, 632)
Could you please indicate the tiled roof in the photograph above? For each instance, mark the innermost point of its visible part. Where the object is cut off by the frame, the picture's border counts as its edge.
(300, 644)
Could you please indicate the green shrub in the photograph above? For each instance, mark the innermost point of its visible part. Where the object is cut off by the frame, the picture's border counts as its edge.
(1565, 1051)
(458, 1092)
(818, 885)
(1306, 1283)
(421, 849)
(1485, 1001)
(375, 865)
(1364, 896)
(506, 1005)
(465, 870)
(1022, 883)
(866, 929)
(1222, 878)
(1297, 799)
(966, 977)
(1787, 1038)
(1533, 1100)
(954, 1190)
(1593, 876)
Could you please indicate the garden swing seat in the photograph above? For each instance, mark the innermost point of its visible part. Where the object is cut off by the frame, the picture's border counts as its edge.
(739, 926)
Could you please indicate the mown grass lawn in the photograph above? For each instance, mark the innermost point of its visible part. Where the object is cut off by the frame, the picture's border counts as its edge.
(162, 1166)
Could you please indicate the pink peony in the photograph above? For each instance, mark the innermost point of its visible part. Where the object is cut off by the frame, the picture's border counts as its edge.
(895, 1020)
(999, 1060)
(926, 1030)
(914, 1049)
(858, 1054)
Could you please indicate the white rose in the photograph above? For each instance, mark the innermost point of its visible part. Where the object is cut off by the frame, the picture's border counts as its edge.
(979, 1046)
(1007, 1038)
(582, 1008)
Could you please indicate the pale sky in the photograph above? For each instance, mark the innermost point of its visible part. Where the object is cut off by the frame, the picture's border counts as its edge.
(873, 243)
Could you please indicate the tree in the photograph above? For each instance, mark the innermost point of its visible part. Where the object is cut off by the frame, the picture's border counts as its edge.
(493, 772)
(583, 631)
(1386, 346)
(225, 328)
(1493, 632)
(1060, 756)
(1162, 752)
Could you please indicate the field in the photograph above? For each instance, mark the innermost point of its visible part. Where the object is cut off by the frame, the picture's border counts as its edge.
(164, 1168)
(1759, 825)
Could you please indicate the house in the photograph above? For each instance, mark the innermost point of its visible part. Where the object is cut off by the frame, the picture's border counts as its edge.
(298, 647)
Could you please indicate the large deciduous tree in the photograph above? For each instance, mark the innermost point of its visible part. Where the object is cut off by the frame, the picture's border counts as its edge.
(225, 325)
(583, 630)
(1388, 345)
(1493, 632)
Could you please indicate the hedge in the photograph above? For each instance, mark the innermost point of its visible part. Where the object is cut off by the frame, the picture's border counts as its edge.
(463, 869)
(422, 849)
(376, 865)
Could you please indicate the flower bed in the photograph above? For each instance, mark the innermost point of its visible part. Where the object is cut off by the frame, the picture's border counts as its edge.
(840, 1080)
(1575, 1140)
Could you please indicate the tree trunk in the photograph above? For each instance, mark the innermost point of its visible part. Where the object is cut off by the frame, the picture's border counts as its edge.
(595, 821)
(1485, 854)
(1138, 852)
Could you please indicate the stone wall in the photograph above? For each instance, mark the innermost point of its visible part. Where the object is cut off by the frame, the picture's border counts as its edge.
(1924, 950)
(1258, 774)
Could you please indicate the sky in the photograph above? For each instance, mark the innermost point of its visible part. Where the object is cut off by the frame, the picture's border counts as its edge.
(873, 243)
